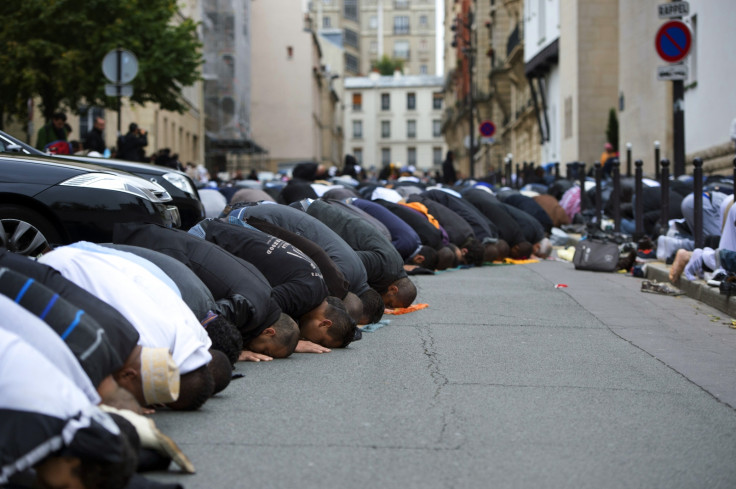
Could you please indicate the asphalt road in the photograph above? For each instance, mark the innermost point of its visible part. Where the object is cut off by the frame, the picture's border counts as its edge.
(504, 381)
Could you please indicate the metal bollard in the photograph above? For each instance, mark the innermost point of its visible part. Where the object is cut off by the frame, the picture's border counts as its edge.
(734, 174)
(557, 170)
(518, 177)
(656, 160)
(598, 194)
(698, 202)
(628, 159)
(616, 196)
(638, 201)
(665, 186)
(569, 174)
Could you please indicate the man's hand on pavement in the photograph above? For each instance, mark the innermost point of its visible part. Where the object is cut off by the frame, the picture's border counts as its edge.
(305, 346)
(250, 356)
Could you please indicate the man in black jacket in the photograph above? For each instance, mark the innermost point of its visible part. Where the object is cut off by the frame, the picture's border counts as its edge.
(241, 291)
(339, 251)
(382, 262)
(298, 286)
(130, 146)
(94, 140)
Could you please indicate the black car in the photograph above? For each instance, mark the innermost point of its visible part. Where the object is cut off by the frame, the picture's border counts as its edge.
(47, 201)
(178, 184)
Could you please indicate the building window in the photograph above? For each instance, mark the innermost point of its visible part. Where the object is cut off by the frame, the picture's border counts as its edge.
(411, 129)
(351, 63)
(351, 9)
(374, 46)
(401, 49)
(437, 156)
(423, 21)
(423, 69)
(437, 101)
(436, 128)
(289, 52)
(411, 101)
(373, 22)
(568, 117)
(411, 156)
(385, 101)
(357, 129)
(326, 22)
(351, 38)
(401, 4)
(358, 153)
(357, 102)
(401, 24)
(385, 129)
(385, 156)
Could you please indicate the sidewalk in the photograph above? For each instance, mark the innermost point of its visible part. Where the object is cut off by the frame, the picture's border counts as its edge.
(695, 289)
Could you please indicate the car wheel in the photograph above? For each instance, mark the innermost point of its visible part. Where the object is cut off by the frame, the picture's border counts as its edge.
(25, 231)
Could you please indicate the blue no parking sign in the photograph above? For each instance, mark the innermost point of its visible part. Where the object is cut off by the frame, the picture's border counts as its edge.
(487, 129)
(673, 41)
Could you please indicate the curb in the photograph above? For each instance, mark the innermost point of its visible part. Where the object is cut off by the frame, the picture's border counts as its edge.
(695, 289)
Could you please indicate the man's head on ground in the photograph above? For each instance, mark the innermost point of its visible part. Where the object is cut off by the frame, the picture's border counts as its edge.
(521, 250)
(224, 335)
(426, 257)
(278, 340)
(221, 370)
(151, 375)
(90, 472)
(373, 307)
(196, 387)
(354, 306)
(543, 248)
(400, 294)
(473, 252)
(446, 258)
(329, 324)
(490, 253)
(503, 249)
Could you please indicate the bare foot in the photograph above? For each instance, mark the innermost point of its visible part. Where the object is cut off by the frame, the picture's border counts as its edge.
(678, 265)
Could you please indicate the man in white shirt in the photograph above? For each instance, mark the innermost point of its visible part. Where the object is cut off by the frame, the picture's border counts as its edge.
(160, 316)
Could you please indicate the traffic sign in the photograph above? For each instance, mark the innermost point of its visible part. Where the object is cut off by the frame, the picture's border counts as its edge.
(487, 129)
(673, 10)
(673, 41)
(672, 72)
(111, 90)
(122, 70)
(485, 140)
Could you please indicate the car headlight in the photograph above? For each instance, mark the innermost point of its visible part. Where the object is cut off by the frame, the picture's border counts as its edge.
(104, 181)
(181, 182)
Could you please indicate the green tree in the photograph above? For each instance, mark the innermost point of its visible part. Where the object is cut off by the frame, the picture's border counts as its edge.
(53, 49)
(612, 129)
(386, 66)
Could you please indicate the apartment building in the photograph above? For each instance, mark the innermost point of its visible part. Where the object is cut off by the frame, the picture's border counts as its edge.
(395, 119)
(399, 29)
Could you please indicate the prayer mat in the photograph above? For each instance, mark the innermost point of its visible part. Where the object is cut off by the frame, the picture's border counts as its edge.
(370, 328)
(405, 310)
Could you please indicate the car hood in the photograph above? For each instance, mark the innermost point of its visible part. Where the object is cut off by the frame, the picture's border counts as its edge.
(52, 171)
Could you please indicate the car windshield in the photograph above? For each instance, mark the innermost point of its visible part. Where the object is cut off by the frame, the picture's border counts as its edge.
(9, 144)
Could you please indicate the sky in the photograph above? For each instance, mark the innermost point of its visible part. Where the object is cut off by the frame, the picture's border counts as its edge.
(440, 33)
